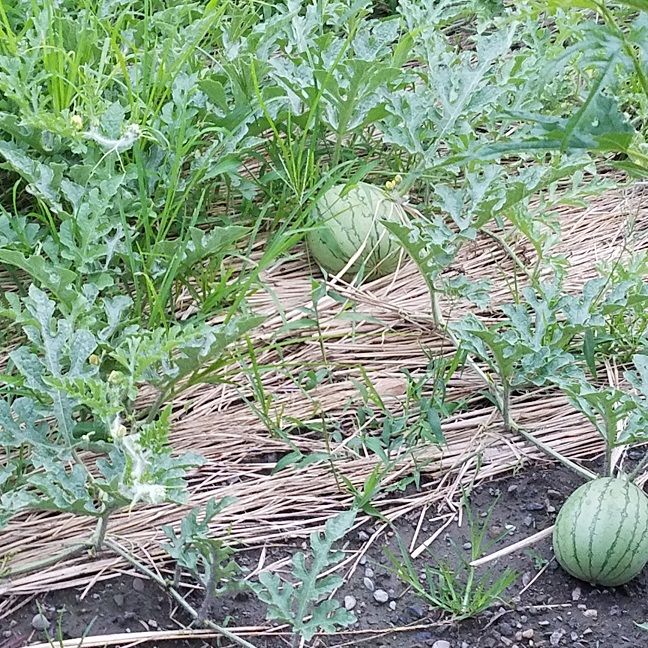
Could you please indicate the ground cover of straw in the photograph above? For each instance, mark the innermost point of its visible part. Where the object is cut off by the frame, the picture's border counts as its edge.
(272, 508)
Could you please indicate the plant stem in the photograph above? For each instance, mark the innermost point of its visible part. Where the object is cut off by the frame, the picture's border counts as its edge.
(209, 588)
(157, 404)
(607, 469)
(47, 562)
(99, 535)
(467, 591)
(176, 576)
(640, 467)
(509, 251)
(126, 555)
(437, 317)
(506, 404)
(327, 443)
(513, 426)
(583, 472)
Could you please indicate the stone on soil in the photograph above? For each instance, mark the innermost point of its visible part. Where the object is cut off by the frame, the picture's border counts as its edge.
(40, 622)
(349, 602)
(381, 596)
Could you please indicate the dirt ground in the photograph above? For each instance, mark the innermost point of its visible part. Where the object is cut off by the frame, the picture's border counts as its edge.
(544, 606)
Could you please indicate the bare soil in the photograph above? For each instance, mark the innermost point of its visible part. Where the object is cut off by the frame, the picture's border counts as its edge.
(544, 607)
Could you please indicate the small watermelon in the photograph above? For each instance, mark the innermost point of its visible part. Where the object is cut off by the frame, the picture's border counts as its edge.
(348, 222)
(601, 532)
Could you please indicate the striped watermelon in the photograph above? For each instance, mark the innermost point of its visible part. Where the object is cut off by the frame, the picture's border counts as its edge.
(601, 532)
(346, 224)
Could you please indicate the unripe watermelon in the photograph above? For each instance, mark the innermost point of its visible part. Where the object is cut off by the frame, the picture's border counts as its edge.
(601, 532)
(351, 222)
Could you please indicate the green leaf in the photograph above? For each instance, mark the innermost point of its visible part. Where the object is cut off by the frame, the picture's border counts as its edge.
(305, 606)
(44, 180)
(589, 350)
(55, 278)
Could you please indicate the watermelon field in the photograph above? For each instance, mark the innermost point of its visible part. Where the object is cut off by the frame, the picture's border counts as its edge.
(324, 323)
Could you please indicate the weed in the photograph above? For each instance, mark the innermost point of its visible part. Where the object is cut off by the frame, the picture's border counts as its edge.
(457, 589)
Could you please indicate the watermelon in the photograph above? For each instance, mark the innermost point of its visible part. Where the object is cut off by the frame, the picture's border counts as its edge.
(601, 532)
(350, 222)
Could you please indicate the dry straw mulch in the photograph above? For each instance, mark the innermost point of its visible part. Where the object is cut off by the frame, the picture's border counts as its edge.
(391, 330)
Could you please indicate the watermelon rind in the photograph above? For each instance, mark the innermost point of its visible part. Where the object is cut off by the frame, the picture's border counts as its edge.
(601, 532)
(348, 221)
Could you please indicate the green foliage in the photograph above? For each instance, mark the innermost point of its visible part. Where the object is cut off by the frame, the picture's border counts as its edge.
(553, 338)
(364, 497)
(208, 559)
(78, 374)
(303, 601)
(608, 115)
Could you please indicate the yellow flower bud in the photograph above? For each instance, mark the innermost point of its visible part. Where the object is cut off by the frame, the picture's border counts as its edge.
(77, 122)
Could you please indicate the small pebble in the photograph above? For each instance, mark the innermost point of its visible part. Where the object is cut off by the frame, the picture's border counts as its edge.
(591, 614)
(392, 605)
(152, 623)
(574, 636)
(40, 622)
(467, 545)
(527, 634)
(7, 633)
(362, 536)
(349, 602)
(576, 593)
(363, 560)
(369, 573)
(368, 583)
(138, 584)
(119, 600)
(505, 628)
(555, 638)
(535, 506)
(442, 643)
(512, 488)
(381, 596)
